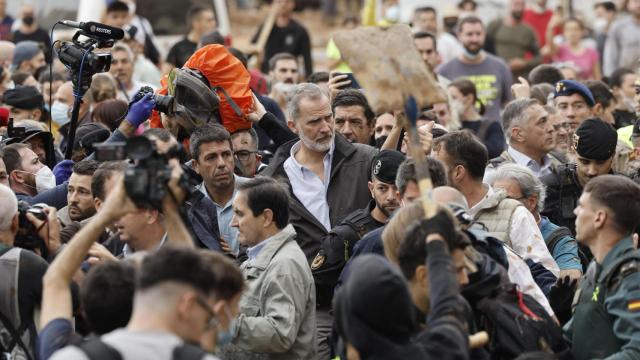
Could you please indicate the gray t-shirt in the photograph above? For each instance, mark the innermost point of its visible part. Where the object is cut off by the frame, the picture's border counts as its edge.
(133, 345)
(492, 78)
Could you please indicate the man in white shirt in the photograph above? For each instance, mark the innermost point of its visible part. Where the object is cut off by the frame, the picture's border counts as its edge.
(122, 67)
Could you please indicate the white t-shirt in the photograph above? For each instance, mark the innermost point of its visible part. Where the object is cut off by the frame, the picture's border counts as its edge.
(132, 345)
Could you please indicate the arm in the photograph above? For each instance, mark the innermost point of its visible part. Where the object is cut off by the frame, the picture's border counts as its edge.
(56, 302)
(597, 74)
(527, 241)
(306, 53)
(626, 323)
(274, 128)
(177, 232)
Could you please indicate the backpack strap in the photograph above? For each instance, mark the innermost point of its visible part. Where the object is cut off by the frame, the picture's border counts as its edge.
(232, 103)
(555, 236)
(188, 351)
(97, 349)
(16, 335)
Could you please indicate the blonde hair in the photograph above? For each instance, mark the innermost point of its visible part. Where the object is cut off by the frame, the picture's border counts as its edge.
(103, 87)
(396, 230)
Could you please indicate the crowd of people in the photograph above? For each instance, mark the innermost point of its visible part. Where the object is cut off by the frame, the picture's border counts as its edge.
(295, 227)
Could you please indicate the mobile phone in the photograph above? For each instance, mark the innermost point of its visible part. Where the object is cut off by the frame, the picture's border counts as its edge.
(354, 83)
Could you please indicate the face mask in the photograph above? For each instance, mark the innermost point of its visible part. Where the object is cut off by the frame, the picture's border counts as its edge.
(458, 106)
(517, 15)
(60, 113)
(225, 337)
(600, 25)
(392, 13)
(380, 141)
(28, 20)
(472, 56)
(45, 180)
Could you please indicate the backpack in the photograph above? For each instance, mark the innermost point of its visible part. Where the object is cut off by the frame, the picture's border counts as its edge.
(12, 339)
(96, 349)
(516, 324)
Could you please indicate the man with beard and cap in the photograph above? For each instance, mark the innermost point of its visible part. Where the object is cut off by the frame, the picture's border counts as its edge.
(489, 73)
(375, 317)
(574, 102)
(337, 247)
(326, 174)
(595, 144)
(24, 102)
(354, 117)
(512, 40)
(27, 57)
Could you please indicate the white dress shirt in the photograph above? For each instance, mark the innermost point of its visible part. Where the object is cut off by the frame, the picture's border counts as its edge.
(308, 187)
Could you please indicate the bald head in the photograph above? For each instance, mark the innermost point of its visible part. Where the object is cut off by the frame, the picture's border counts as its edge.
(8, 209)
(448, 195)
(6, 53)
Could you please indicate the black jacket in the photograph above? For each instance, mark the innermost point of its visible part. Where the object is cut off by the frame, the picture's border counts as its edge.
(348, 191)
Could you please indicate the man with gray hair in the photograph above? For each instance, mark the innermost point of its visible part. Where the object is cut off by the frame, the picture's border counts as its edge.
(521, 184)
(529, 133)
(327, 177)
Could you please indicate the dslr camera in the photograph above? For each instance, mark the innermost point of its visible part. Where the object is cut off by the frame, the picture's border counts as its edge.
(27, 236)
(146, 178)
(164, 104)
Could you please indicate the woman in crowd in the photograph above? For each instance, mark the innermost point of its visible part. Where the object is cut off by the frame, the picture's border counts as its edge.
(573, 50)
(464, 101)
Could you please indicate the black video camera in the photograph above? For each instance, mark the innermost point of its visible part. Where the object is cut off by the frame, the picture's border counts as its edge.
(146, 179)
(27, 236)
(164, 104)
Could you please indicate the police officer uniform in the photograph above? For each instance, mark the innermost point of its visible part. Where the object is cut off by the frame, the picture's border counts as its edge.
(595, 140)
(606, 318)
(337, 246)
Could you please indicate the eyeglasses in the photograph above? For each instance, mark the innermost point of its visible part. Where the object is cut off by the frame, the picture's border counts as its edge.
(244, 154)
(212, 322)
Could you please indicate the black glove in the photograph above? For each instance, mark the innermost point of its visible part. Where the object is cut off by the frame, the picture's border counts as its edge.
(561, 297)
(441, 224)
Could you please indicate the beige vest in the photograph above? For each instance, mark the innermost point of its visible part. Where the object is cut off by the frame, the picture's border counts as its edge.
(496, 216)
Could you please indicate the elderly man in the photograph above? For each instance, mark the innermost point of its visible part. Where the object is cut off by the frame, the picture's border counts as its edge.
(6, 52)
(521, 184)
(530, 136)
(327, 177)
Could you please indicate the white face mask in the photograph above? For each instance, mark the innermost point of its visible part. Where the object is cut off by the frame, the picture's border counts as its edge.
(60, 113)
(392, 13)
(599, 25)
(45, 180)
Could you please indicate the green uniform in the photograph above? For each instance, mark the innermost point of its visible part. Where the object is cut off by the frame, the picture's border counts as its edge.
(606, 319)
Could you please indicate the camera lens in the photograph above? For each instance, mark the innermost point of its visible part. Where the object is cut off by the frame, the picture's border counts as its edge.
(139, 148)
(164, 104)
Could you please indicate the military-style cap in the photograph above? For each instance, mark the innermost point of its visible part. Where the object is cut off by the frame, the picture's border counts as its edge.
(386, 164)
(570, 87)
(595, 140)
(24, 97)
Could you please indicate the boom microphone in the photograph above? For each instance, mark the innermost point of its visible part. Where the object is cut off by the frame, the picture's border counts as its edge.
(96, 29)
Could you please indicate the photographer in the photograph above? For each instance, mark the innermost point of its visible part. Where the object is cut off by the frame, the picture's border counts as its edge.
(56, 316)
(22, 270)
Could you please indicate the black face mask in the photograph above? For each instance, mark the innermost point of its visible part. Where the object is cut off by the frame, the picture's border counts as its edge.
(28, 20)
(450, 23)
(517, 15)
(380, 141)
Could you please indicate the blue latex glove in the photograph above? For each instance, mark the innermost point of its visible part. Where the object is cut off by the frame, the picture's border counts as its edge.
(62, 171)
(140, 111)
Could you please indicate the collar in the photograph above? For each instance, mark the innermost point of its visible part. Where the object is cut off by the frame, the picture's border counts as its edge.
(480, 205)
(203, 189)
(253, 251)
(128, 251)
(294, 149)
(523, 159)
(622, 247)
(270, 246)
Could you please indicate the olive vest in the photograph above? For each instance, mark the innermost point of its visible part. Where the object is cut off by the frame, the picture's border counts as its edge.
(590, 318)
(496, 216)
